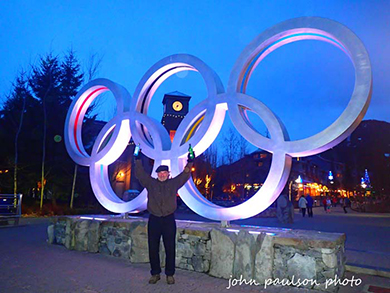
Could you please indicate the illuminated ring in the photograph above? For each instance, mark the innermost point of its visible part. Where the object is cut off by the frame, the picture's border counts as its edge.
(98, 170)
(312, 28)
(200, 126)
(100, 182)
(196, 128)
(273, 185)
(101, 157)
(278, 145)
(203, 123)
(161, 150)
(76, 113)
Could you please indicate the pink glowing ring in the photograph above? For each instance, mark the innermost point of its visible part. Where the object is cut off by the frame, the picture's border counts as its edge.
(76, 113)
(202, 124)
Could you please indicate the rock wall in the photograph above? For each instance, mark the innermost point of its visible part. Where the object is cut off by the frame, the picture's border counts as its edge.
(252, 253)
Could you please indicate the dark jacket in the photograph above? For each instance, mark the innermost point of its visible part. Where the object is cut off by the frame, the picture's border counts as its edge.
(162, 194)
(310, 201)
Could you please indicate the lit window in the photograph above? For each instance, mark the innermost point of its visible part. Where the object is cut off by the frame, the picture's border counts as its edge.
(120, 176)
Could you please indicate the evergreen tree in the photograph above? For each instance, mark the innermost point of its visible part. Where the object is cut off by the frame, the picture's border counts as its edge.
(55, 84)
(45, 83)
(15, 116)
(31, 116)
(71, 78)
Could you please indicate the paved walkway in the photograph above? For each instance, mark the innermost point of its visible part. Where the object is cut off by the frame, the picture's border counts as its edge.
(29, 264)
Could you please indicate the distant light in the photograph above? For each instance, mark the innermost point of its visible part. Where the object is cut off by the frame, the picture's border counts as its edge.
(254, 232)
(189, 221)
(58, 138)
(299, 180)
(330, 176)
(233, 230)
(363, 183)
(120, 174)
(250, 226)
(93, 218)
(86, 218)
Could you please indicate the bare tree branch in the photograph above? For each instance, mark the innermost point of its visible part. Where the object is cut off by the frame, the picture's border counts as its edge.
(93, 65)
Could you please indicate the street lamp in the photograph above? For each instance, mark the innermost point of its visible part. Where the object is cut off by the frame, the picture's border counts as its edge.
(298, 180)
(330, 177)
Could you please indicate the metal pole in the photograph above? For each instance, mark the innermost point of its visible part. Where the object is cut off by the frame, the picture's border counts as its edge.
(225, 224)
(73, 186)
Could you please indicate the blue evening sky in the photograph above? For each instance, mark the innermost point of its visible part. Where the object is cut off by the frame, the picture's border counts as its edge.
(307, 84)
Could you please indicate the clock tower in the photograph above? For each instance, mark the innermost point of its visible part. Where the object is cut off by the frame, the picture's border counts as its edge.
(176, 107)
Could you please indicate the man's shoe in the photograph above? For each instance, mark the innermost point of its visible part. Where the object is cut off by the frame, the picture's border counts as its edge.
(153, 279)
(170, 280)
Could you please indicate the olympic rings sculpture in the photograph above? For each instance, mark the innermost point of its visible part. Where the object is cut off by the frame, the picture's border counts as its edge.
(202, 124)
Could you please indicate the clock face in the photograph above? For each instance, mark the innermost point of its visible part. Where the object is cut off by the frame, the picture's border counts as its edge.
(177, 106)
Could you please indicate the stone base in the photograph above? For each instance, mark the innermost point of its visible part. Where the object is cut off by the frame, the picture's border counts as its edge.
(259, 254)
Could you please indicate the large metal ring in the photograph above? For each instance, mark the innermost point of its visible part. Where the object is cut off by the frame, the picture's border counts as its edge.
(202, 124)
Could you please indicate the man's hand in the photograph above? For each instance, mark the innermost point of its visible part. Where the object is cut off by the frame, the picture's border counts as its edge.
(189, 158)
(137, 152)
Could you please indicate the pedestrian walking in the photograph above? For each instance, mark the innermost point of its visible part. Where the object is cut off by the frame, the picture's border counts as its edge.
(328, 205)
(324, 204)
(302, 203)
(346, 203)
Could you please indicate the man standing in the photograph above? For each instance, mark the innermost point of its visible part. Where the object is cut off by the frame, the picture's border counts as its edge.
(324, 203)
(309, 205)
(302, 203)
(161, 206)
